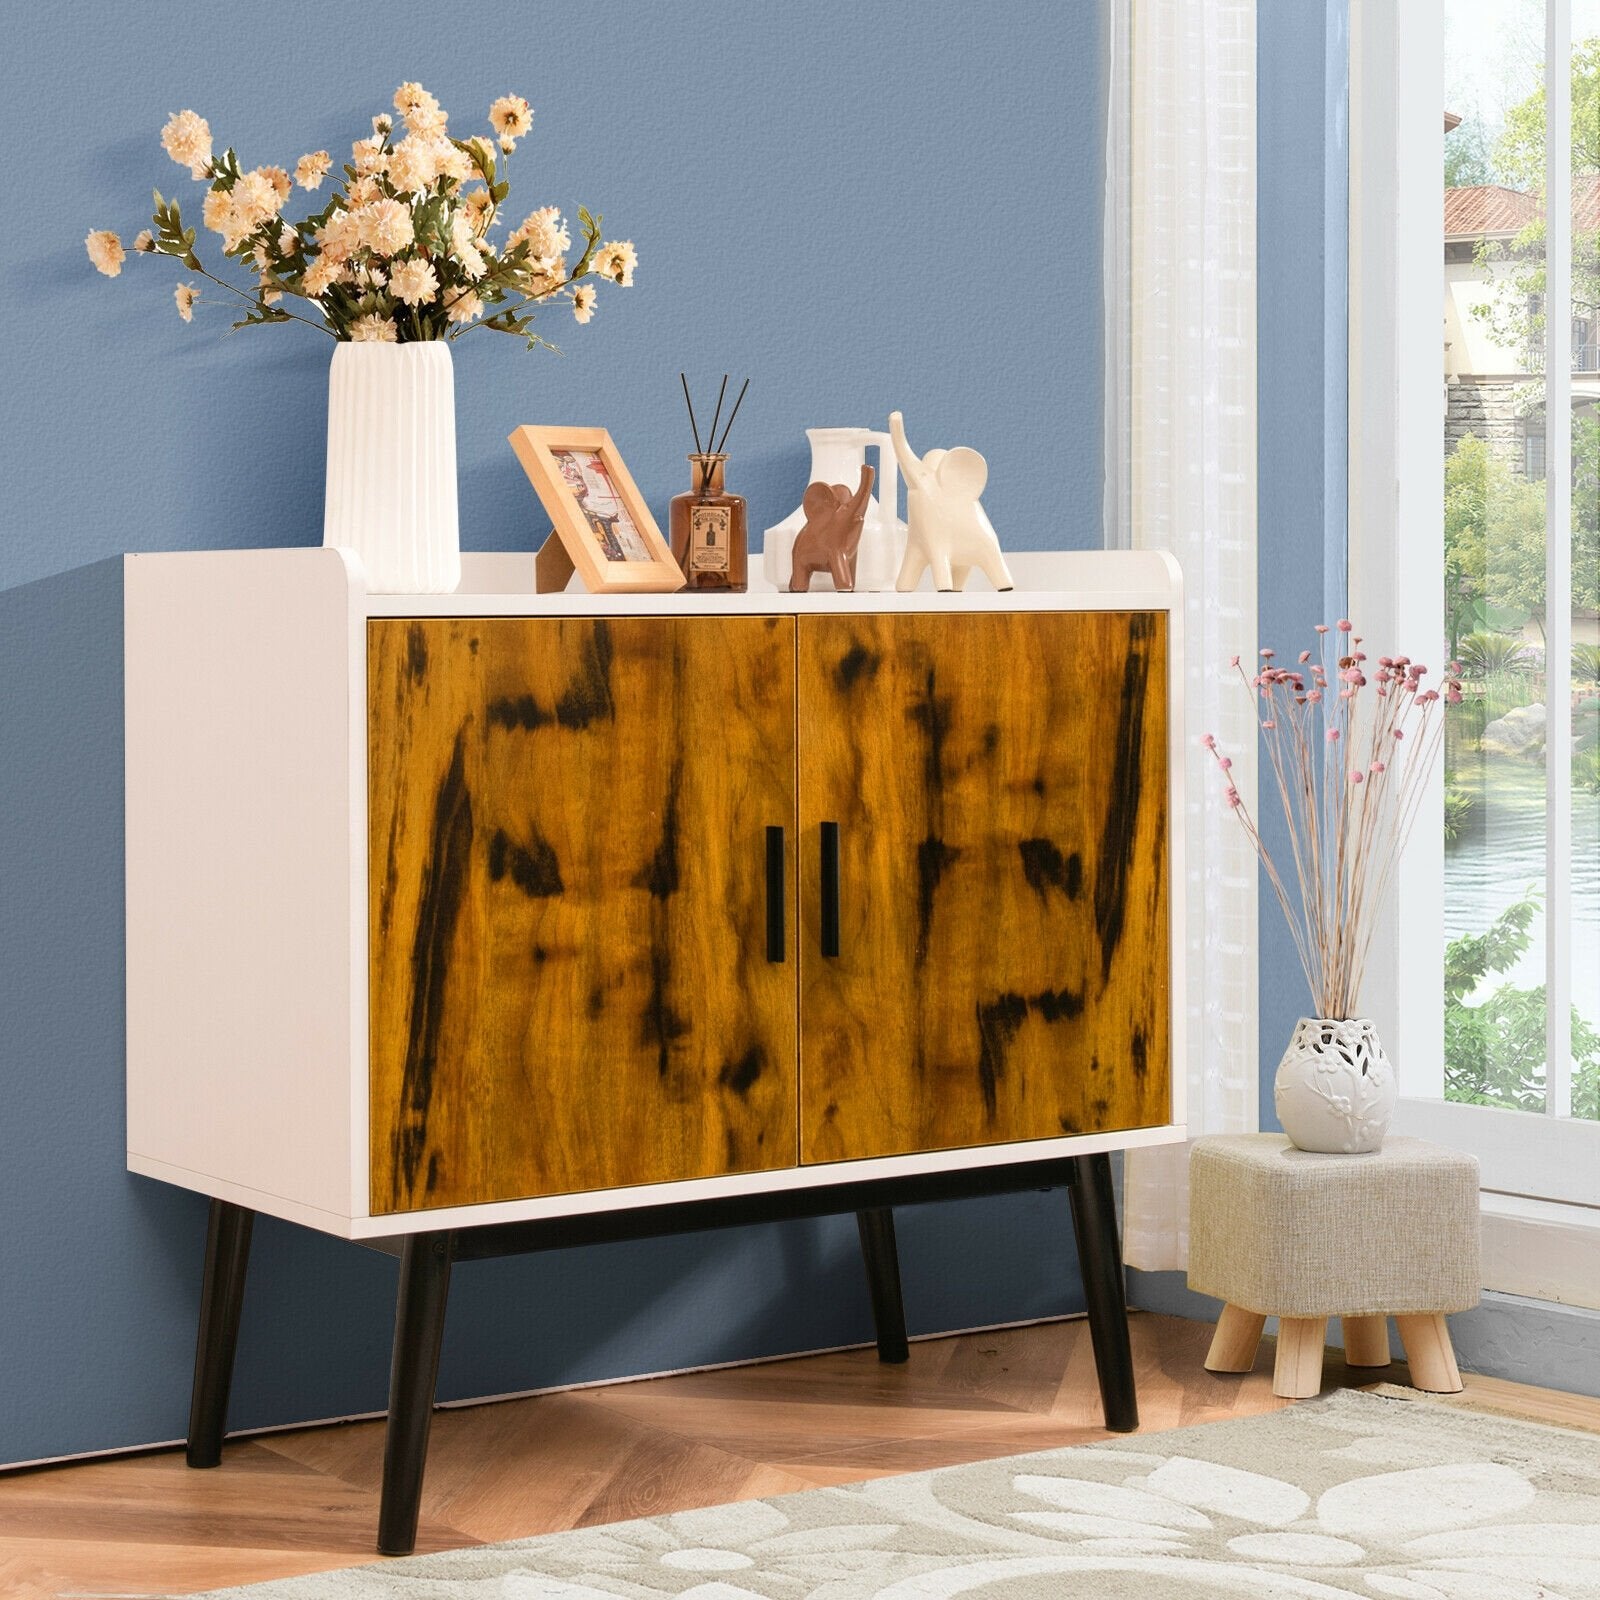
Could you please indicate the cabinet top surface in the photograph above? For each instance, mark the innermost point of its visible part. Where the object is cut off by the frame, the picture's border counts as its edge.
(494, 583)
(501, 583)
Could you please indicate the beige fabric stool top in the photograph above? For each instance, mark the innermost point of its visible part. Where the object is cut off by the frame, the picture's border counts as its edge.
(1275, 1231)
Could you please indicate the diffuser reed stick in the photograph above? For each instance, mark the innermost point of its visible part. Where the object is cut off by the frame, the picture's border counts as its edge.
(693, 428)
(705, 465)
(718, 412)
(712, 447)
(718, 448)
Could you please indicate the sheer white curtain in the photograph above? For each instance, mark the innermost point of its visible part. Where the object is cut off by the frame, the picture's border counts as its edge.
(1181, 475)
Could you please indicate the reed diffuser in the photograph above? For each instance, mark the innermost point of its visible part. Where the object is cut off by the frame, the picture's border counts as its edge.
(709, 526)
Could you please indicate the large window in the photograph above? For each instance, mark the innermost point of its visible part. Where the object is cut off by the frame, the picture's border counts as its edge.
(1475, 532)
(1521, 893)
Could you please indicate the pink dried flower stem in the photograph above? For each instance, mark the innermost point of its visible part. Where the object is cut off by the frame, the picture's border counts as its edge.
(1247, 822)
(1280, 776)
(1350, 753)
(1294, 771)
(1413, 799)
(1387, 843)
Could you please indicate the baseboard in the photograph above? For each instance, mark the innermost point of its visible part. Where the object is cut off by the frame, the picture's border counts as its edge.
(529, 1394)
(1531, 1341)
(1170, 1294)
(747, 1361)
(1508, 1336)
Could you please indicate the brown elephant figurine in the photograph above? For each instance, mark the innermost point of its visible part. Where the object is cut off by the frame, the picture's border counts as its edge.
(832, 532)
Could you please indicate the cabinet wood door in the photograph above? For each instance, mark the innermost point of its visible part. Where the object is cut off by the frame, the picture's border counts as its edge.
(570, 978)
(998, 783)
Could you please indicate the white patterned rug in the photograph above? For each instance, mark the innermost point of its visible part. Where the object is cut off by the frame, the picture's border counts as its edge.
(1355, 1494)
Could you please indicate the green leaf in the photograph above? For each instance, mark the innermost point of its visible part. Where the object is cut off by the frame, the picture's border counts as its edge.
(431, 224)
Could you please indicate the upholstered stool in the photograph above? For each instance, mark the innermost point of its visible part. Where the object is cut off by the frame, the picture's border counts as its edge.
(1276, 1231)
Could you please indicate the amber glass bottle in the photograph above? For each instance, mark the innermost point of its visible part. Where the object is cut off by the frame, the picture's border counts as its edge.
(709, 536)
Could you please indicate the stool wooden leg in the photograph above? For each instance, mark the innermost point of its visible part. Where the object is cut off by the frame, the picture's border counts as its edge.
(1366, 1341)
(1233, 1345)
(1432, 1356)
(1297, 1373)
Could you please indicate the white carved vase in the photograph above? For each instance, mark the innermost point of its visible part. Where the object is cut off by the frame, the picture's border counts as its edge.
(1335, 1090)
(391, 485)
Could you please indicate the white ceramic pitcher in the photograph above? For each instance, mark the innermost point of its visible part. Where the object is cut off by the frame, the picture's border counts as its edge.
(837, 456)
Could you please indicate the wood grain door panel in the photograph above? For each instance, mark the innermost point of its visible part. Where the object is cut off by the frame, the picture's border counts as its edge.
(570, 987)
(999, 782)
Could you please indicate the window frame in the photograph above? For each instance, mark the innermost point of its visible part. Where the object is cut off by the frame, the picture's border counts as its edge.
(1395, 578)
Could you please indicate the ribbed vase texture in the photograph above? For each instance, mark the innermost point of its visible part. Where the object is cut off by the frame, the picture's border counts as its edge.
(1335, 1090)
(837, 455)
(391, 490)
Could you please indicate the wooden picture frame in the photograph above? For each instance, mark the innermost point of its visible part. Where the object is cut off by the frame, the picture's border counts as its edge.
(600, 518)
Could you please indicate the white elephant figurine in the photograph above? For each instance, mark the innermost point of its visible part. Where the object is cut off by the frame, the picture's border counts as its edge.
(947, 528)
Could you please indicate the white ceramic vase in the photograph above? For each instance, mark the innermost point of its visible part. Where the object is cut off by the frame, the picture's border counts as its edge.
(391, 486)
(837, 456)
(1335, 1090)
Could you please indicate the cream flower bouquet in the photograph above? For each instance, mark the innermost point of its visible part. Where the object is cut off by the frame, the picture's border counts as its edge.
(402, 251)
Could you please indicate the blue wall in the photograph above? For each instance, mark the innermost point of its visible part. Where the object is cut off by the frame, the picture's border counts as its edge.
(904, 213)
(1302, 233)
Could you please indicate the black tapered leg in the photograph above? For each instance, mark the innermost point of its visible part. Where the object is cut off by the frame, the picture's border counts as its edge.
(1094, 1222)
(221, 1296)
(883, 1279)
(413, 1375)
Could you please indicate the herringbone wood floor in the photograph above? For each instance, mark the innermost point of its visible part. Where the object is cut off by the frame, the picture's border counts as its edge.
(289, 1503)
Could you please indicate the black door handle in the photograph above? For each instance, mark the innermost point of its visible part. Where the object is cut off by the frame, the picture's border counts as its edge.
(830, 888)
(775, 940)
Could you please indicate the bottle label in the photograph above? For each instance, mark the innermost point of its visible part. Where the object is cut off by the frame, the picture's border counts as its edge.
(709, 530)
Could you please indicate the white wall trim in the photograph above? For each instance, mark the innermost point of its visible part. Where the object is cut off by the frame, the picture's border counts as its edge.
(1541, 1250)
(1396, 407)
(1520, 1152)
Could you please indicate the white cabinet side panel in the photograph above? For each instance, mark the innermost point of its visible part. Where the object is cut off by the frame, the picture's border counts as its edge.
(246, 868)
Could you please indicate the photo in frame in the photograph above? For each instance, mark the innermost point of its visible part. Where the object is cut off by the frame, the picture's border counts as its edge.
(604, 527)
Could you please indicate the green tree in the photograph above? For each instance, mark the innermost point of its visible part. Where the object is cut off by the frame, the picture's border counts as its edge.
(1586, 509)
(1494, 543)
(1466, 154)
(1510, 572)
(1495, 1051)
(1519, 153)
(1515, 314)
(1466, 524)
(1515, 558)
(1493, 539)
